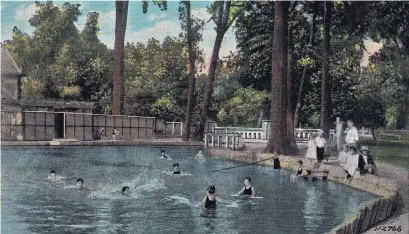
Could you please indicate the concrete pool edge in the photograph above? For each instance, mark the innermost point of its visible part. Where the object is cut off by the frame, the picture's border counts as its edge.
(365, 218)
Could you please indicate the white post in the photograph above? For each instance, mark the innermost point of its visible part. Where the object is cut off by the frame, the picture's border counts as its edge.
(212, 140)
(181, 130)
(218, 141)
(173, 129)
(338, 133)
(227, 141)
(205, 140)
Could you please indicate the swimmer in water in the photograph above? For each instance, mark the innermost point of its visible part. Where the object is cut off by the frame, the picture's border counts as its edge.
(248, 188)
(53, 176)
(176, 169)
(199, 154)
(210, 200)
(300, 171)
(126, 191)
(80, 183)
(164, 155)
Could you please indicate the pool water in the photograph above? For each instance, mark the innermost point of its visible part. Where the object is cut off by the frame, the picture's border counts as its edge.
(159, 202)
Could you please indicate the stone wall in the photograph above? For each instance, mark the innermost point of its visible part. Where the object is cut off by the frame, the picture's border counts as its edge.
(366, 217)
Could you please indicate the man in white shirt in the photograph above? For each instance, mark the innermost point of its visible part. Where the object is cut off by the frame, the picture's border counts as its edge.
(351, 135)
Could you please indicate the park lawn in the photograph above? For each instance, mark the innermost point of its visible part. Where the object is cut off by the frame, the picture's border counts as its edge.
(394, 155)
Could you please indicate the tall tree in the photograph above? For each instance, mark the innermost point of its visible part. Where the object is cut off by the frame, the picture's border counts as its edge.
(223, 16)
(120, 28)
(303, 77)
(326, 80)
(192, 28)
(290, 76)
(191, 71)
(277, 142)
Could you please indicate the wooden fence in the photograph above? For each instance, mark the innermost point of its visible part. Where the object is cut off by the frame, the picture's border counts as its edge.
(45, 126)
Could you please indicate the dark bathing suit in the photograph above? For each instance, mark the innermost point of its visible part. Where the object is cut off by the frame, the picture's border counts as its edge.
(176, 172)
(210, 204)
(248, 191)
(299, 172)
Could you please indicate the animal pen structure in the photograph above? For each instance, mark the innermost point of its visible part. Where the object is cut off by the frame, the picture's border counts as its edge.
(48, 125)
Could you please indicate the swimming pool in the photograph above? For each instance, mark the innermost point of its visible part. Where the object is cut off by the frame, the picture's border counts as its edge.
(160, 203)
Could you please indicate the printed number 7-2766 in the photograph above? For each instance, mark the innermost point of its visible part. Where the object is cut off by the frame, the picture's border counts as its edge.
(388, 228)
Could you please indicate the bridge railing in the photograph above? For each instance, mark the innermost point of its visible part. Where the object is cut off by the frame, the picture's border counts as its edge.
(220, 140)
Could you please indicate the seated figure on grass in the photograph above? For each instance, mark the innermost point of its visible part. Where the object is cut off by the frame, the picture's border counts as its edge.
(343, 156)
(366, 163)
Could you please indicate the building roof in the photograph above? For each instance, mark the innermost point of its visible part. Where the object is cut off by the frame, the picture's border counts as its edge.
(8, 65)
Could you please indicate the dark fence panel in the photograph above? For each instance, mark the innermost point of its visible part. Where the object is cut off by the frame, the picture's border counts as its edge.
(42, 125)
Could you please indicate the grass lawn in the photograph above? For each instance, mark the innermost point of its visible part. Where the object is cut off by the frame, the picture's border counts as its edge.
(394, 155)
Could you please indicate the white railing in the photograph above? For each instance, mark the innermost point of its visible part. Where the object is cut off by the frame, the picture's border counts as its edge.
(305, 134)
(220, 140)
(245, 133)
(262, 133)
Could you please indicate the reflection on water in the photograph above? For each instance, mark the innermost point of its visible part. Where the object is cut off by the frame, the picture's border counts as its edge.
(159, 202)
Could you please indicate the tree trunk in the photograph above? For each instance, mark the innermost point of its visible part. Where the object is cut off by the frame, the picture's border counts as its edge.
(120, 27)
(289, 112)
(191, 71)
(325, 82)
(278, 132)
(299, 96)
(221, 28)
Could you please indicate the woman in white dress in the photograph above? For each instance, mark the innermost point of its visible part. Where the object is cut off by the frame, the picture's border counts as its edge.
(352, 163)
(312, 149)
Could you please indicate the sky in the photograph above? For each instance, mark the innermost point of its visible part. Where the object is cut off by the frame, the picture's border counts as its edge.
(140, 27)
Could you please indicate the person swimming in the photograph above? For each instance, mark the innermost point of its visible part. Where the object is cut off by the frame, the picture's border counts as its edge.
(80, 183)
(211, 199)
(300, 171)
(176, 169)
(248, 188)
(126, 191)
(164, 155)
(300, 168)
(53, 176)
(199, 154)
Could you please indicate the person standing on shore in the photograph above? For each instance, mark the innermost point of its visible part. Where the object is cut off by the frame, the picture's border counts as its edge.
(115, 133)
(351, 137)
(320, 143)
(312, 149)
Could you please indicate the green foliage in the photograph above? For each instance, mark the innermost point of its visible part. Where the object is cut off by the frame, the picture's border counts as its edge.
(243, 109)
(31, 87)
(155, 79)
(69, 64)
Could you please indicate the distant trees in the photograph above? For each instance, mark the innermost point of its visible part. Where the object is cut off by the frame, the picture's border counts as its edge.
(325, 80)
